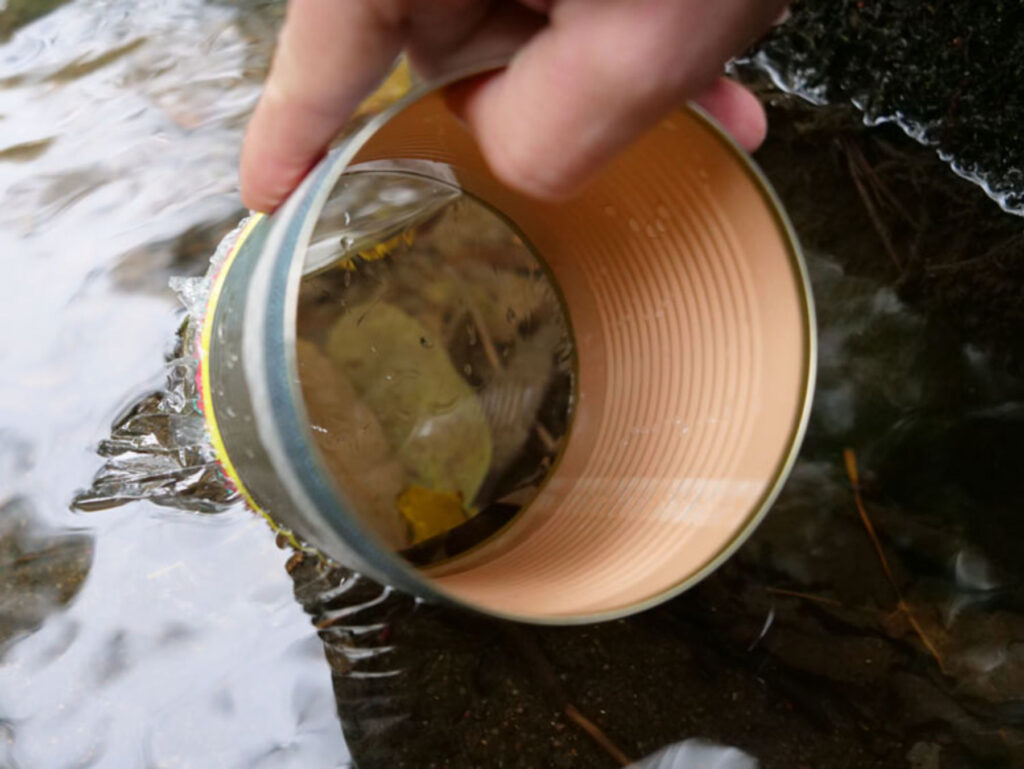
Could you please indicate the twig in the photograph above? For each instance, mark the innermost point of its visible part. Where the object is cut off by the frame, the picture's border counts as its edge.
(805, 596)
(485, 337)
(481, 326)
(992, 253)
(877, 183)
(931, 269)
(883, 233)
(596, 734)
(850, 460)
(546, 438)
(549, 682)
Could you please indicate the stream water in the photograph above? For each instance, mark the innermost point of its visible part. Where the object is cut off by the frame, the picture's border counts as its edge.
(135, 637)
(144, 636)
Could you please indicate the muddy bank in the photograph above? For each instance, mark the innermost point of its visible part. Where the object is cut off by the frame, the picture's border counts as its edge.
(949, 73)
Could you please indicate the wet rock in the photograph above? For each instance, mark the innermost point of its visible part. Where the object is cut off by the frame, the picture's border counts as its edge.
(147, 268)
(41, 569)
(18, 13)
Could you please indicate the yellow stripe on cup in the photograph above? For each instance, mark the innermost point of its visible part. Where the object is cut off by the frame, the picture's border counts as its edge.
(206, 391)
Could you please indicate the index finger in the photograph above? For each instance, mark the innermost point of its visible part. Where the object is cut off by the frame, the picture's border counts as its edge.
(331, 53)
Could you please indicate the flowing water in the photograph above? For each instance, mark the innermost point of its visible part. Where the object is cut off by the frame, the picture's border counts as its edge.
(137, 637)
(140, 635)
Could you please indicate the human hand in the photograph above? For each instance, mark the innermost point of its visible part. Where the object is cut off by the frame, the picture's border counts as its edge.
(586, 78)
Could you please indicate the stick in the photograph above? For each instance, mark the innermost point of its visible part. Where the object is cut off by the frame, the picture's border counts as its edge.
(805, 596)
(596, 734)
(550, 683)
(883, 233)
(850, 460)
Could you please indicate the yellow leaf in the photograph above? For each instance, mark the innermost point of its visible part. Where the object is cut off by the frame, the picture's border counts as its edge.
(430, 512)
(384, 248)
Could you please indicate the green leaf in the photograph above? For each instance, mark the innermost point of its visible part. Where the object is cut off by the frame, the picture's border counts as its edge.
(429, 413)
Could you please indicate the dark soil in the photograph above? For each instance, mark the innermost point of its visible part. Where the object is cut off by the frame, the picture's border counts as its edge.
(941, 242)
(467, 692)
(952, 70)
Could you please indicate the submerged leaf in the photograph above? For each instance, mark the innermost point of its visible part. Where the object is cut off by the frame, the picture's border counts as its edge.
(430, 512)
(429, 413)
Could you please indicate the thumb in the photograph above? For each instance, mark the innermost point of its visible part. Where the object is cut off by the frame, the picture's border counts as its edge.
(576, 94)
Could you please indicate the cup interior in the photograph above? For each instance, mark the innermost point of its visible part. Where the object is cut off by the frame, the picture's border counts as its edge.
(693, 331)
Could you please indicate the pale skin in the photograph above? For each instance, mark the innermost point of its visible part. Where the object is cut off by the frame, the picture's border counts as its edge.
(586, 78)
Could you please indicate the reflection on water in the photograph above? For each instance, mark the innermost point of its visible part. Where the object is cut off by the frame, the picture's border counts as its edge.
(140, 636)
(183, 646)
(18, 13)
(40, 571)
